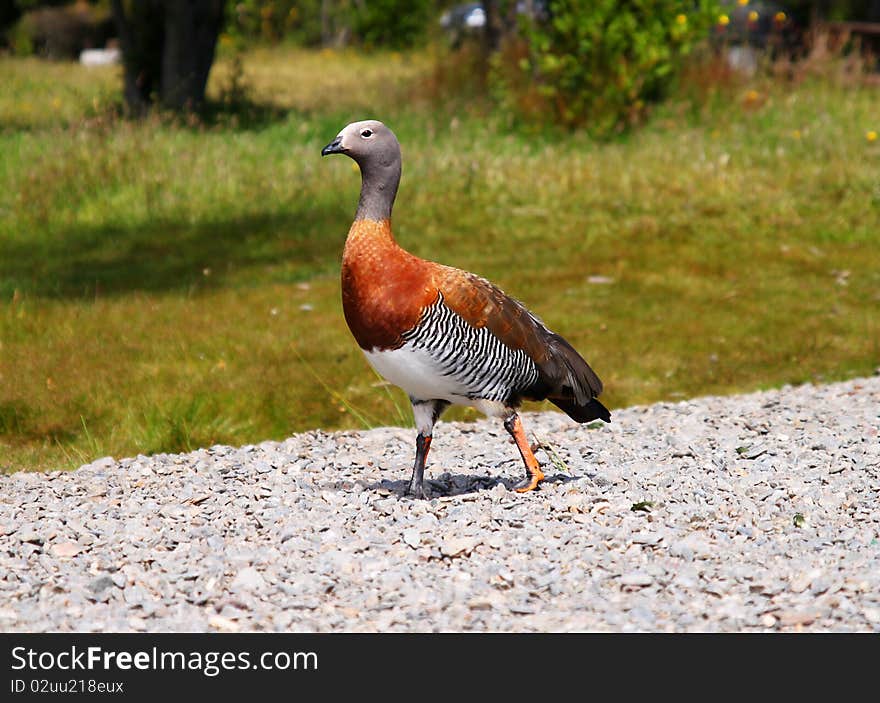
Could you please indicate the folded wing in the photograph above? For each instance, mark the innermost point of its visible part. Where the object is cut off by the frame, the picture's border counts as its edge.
(564, 377)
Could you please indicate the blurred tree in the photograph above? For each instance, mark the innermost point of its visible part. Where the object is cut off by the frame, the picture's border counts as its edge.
(395, 24)
(493, 30)
(809, 11)
(57, 31)
(9, 13)
(501, 19)
(272, 20)
(167, 50)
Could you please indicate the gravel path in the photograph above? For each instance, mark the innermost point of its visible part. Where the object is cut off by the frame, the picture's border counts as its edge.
(754, 512)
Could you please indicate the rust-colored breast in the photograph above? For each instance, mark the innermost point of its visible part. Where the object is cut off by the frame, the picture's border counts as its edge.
(384, 288)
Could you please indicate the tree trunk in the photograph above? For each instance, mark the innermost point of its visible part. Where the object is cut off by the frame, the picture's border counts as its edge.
(191, 31)
(167, 50)
(493, 29)
(140, 38)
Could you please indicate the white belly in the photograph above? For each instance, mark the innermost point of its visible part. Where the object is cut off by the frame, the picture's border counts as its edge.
(417, 374)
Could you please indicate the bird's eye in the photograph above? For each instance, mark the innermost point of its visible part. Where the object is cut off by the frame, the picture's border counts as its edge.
(367, 133)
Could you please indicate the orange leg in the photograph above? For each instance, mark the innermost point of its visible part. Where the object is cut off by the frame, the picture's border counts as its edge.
(534, 474)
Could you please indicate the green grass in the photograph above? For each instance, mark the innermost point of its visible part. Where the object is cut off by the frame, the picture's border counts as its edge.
(165, 287)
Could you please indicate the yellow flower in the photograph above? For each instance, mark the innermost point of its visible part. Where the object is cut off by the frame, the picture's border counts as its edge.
(723, 20)
(753, 16)
(780, 17)
(753, 99)
(681, 19)
(871, 135)
(796, 134)
(743, 3)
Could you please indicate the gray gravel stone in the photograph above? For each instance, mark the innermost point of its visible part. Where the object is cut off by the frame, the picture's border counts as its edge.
(100, 584)
(753, 513)
(637, 579)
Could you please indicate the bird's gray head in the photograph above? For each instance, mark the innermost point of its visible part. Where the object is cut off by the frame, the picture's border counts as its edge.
(367, 142)
(376, 150)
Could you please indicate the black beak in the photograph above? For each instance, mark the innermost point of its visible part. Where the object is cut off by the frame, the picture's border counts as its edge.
(334, 147)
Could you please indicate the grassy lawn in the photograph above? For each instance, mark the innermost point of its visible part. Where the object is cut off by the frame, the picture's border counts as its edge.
(164, 287)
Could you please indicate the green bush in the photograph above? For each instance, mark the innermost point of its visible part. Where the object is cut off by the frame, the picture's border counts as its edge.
(271, 20)
(61, 32)
(394, 24)
(599, 64)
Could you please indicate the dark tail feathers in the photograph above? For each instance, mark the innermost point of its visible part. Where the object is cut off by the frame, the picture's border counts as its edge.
(575, 385)
(594, 410)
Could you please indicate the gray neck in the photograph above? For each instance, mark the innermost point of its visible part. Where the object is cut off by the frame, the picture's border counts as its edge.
(379, 181)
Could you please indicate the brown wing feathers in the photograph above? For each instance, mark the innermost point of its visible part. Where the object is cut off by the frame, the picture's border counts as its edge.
(565, 378)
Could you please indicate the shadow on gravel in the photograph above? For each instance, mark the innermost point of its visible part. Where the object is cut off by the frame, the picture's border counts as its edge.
(451, 485)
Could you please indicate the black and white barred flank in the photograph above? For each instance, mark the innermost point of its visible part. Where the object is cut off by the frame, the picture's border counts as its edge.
(470, 356)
